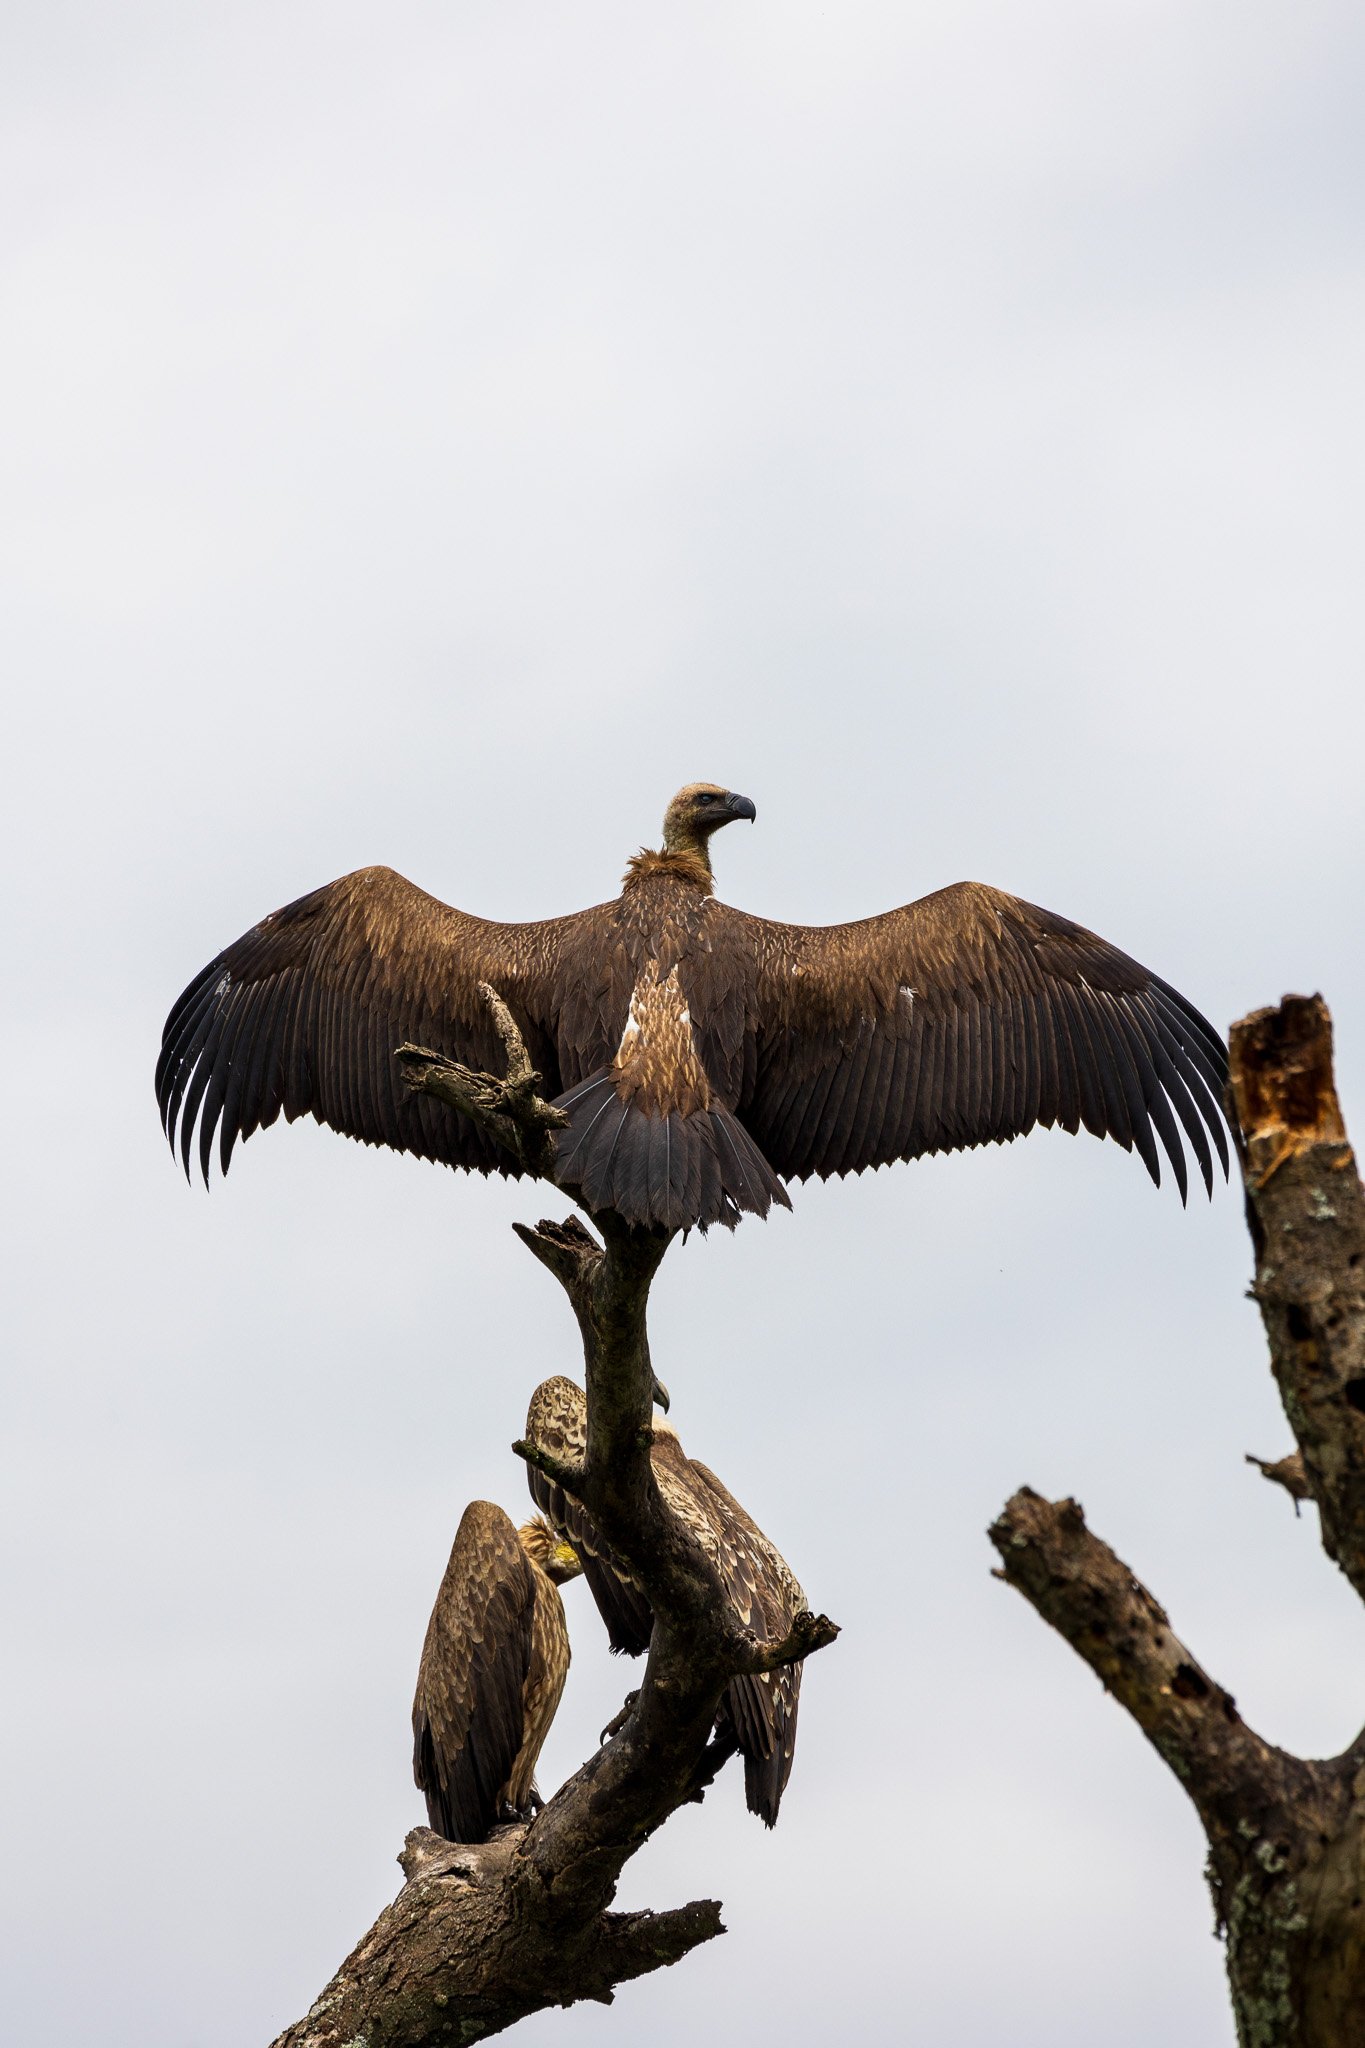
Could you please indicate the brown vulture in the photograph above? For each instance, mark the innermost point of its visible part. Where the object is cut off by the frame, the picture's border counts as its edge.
(701, 1054)
(493, 1667)
(757, 1714)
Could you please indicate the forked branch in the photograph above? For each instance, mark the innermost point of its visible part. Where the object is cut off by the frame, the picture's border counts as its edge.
(509, 1110)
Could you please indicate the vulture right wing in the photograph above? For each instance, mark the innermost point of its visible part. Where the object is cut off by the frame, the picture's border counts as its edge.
(304, 1012)
(468, 1716)
(766, 1592)
(965, 1017)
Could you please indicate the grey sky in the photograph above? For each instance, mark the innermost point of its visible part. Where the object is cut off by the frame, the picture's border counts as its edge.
(432, 435)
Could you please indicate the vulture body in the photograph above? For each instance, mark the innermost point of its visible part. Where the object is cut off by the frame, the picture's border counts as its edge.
(757, 1714)
(701, 1055)
(493, 1668)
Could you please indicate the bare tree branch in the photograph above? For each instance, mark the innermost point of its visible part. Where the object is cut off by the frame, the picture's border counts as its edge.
(1286, 1472)
(1286, 1835)
(509, 1111)
(1110, 1619)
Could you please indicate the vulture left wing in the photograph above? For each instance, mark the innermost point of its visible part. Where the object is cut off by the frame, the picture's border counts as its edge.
(965, 1017)
(304, 1012)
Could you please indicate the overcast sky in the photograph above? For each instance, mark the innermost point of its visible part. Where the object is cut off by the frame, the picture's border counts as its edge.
(431, 435)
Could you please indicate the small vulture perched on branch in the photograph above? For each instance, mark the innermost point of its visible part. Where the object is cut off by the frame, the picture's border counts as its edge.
(493, 1668)
(699, 1054)
(757, 1714)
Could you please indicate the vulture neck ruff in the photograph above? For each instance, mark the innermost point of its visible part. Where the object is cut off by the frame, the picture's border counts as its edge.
(690, 863)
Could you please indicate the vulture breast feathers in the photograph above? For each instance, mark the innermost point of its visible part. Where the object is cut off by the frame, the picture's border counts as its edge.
(757, 1715)
(701, 1055)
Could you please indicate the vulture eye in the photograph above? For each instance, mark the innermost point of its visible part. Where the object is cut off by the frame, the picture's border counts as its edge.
(704, 796)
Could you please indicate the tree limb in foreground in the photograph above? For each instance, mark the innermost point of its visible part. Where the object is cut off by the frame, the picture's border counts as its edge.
(1286, 1835)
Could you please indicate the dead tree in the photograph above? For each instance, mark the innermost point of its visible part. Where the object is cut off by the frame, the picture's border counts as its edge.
(1286, 1834)
(482, 1935)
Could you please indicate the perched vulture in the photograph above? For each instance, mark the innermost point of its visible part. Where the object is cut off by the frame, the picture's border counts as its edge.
(493, 1667)
(701, 1054)
(757, 1714)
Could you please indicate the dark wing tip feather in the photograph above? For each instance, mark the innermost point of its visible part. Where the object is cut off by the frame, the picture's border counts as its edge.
(302, 1014)
(1200, 1059)
(1212, 1042)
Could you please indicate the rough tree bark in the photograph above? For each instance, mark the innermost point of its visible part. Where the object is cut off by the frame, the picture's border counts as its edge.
(482, 1935)
(1286, 1835)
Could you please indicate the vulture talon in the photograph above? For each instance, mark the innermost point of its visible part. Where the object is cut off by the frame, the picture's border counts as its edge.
(618, 1721)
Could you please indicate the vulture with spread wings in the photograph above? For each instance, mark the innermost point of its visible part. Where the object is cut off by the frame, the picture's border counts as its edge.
(757, 1715)
(493, 1668)
(702, 1055)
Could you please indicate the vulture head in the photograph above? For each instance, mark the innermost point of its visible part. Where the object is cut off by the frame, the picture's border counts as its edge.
(698, 811)
(557, 1558)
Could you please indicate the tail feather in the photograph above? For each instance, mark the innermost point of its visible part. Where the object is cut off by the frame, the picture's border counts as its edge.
(677, 1171)
(607, 1138)
(765, 1780)
(758, 1718)
(694, 1157)
(633, 1178)
(658, 1174)
(711, 1193)
(587, 1105)
(684, 1174)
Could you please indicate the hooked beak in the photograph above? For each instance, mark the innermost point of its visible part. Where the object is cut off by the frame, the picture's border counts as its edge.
(741, 807)
(661, 1395)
